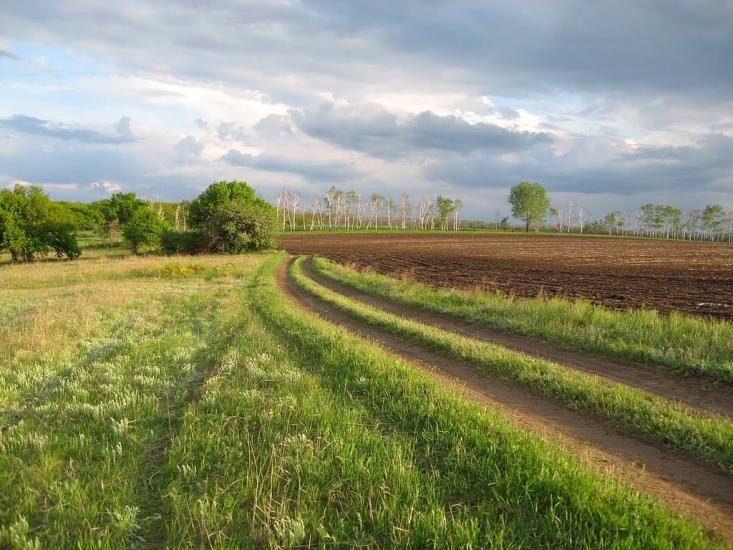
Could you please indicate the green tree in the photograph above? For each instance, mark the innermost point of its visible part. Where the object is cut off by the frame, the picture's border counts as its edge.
(233, 217)
(243, 227)
(205, 207)
(611, 221)
(31, 225)
(529, 202)
(445, 208)
(116, 211)
(713, 219)
(144, 228)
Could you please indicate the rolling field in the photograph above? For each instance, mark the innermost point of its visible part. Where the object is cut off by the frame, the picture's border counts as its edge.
(695, 278)
(256, 401)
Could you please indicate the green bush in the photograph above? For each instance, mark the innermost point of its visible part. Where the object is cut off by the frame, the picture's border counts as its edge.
(234, 218)
(242, 227)
(144, 228)
(184, 242)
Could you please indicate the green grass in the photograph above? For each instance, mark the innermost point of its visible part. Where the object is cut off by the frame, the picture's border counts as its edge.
(89, 384)
(187, 403)
(490, 484)
(705, 436)
(684, 344)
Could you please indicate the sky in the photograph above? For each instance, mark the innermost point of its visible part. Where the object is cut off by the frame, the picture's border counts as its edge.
(610, 104)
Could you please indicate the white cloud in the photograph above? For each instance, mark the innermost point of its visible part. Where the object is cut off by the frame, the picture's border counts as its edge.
(108, 186)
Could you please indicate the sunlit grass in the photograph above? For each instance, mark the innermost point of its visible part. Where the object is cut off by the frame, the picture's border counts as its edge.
(678, 342)
(184, 402)
(703, 435)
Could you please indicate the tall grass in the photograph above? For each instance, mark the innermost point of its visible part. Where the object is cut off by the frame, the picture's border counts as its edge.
(487, 483)
(702, 435)
(681, 343)
(90, 382)
(186, 403)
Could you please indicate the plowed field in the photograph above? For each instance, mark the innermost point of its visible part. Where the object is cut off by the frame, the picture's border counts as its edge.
(694, 278)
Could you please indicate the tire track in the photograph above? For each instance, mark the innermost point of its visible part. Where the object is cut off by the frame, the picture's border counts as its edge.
(683, 485)
(695, 392)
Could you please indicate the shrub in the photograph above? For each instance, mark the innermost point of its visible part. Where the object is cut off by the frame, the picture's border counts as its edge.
(144, 228)
(240, 227)
(234, 218)
(184, 242)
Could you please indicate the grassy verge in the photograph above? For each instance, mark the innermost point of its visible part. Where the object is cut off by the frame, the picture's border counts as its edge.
(418, 466)
(682, 343)
(705, 436)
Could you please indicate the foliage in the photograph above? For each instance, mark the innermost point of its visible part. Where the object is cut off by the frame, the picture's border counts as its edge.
(713, 218)
(242, 227)
(143, 228)
(121, 207)
(115, 212)
(529, 202)
(234, 218)
(31, 225)
(207, 205)
(184, 242)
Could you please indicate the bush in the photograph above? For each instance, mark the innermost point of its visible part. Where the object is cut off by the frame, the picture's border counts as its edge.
(184, 242)
(234, 218)
(240, 227)
(143, 228)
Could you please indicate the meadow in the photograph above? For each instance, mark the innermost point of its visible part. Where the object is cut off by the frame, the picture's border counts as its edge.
(177, 402)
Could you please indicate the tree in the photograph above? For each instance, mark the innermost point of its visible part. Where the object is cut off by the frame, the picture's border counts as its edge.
(233, 217)
(243, 227)
(116, 212)
(144, 228)
(204, 208)
(445, 208)
(611, 220)
(713, 219)
(529, 202)
(31, 225)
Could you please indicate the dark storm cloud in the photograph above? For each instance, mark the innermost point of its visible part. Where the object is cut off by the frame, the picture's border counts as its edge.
(644, 45)
(40, 127)
(382, 134)
(312, 171)
(516, 48)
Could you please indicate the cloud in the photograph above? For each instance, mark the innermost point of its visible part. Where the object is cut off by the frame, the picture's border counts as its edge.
(594, 98)
(123, 127)
(188, 148)
(231, 131)
(108, 186)
(385, 135)
(706, 166)
(275, 125)
(8, 54)
(40, 127)
(311, 171)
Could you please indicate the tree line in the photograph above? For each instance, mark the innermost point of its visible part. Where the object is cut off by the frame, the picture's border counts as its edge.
(227, 217)
(531, 204)
(351, 211)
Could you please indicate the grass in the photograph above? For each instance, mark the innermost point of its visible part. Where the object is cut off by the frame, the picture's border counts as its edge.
(494, 485)
(90, 377)
(702, 435)
(157, 402)
(681, 343)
